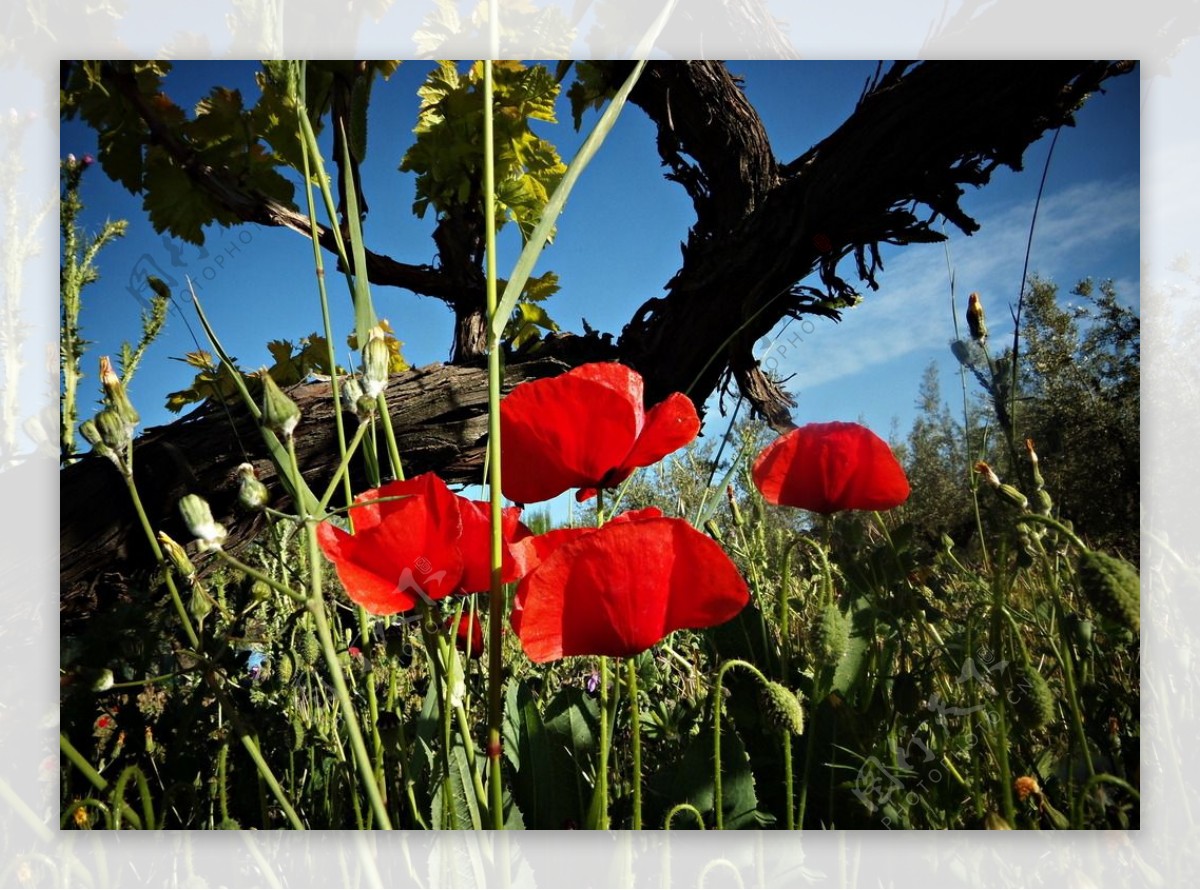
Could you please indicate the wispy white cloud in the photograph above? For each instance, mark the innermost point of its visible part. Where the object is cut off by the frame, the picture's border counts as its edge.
(1085, 229)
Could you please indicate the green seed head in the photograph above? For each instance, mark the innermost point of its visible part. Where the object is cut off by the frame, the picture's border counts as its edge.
(1035, 707)
(781, 709)
(1112, 586)
(833, 634)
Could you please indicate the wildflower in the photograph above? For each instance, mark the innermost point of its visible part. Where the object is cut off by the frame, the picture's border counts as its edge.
(827, 467)
(415, 540)
(620, 589)
(586, 429)
(1027, 785)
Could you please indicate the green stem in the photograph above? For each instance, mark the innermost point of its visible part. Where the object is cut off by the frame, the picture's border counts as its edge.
(94, 777)
(997, 644)
(718, 799)
(496, 597)
(176, 600)
(636, 724)
(789, 796)
(602, 773)
(683, 807)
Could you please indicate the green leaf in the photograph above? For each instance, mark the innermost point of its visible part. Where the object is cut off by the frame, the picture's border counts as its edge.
(690, 780)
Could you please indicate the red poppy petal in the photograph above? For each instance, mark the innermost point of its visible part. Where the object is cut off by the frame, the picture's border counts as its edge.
(826, 467)
(620, 589)
(670, 425)
(476, 544)
(568, 431)
(406, 552)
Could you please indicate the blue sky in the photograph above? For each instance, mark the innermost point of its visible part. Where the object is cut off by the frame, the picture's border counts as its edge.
(619, 240)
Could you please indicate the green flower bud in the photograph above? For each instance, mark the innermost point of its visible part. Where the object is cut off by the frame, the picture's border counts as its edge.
(115, 433)
(91, 434)
(115, 396)
(280, 414)
(1013, 496)
(177, 555)
(260, 590)
(198, 518)
(781, 709)
(351, 391)
(252, 494)
(376, 362)
(200, 603)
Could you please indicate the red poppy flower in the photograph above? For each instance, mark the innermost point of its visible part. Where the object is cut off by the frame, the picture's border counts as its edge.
(826, 467)
(427, 544)
(469, 637)
(619, 589)
(586, 429)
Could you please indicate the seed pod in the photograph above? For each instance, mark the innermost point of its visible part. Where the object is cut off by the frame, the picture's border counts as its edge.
(198, 518)
(252, 494)
(310, 648)
(297, 733)
(1035, 707)
(1112, 586)
(781, 709)
(285, 668)
(833, 634)
(279, 413)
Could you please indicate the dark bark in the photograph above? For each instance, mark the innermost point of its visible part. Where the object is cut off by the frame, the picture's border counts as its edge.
(918, 136)
(439, 414)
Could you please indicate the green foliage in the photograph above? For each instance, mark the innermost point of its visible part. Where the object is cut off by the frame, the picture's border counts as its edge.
(447, 153)
(221, 132)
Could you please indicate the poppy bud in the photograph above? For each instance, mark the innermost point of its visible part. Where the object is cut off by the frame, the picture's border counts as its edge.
(197, 516)
(833, 634)
(280, 413)
(285, 668)
(781, 709)
(177, 555)
(297, 733)
(1112, 586)
(310, 647)
(252, 494)
(376, 362)
(1035, 707)
(115, 395)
